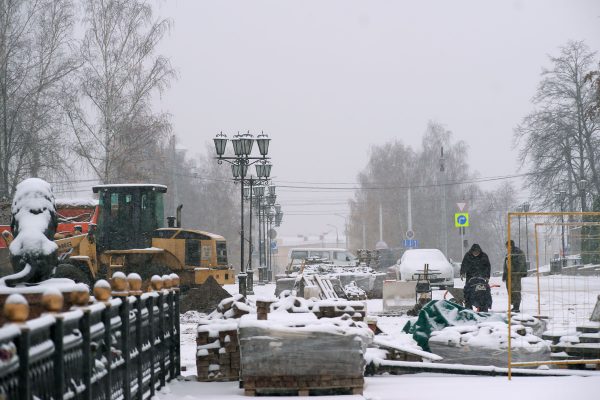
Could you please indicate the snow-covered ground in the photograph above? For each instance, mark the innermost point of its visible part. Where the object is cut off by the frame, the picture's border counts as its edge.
(568, 300)
(418, 386)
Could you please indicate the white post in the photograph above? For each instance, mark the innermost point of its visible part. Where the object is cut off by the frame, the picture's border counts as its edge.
(380, 223)
(409, 210)
(364, 236)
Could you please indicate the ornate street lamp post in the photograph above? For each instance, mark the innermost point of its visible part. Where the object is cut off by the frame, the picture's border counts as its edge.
(581, 185)
(242, 149)
(561, 198)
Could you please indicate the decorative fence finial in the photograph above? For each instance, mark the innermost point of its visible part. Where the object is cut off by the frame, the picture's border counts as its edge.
(102, 290)
(135, 284)
(52, 300)
(16, 308)
(156, 282)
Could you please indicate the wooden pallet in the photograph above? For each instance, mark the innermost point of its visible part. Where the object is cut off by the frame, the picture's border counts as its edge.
(302, 385)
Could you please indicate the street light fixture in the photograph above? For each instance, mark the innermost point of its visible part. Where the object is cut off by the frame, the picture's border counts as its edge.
(220, 144)
(263, 170)
(263, 144)
(242, 149)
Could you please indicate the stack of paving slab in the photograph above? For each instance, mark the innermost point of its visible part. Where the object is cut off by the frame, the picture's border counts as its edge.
(583, 344)
(299, 354)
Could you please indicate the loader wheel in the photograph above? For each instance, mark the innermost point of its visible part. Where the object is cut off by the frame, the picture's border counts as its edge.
(72, 272)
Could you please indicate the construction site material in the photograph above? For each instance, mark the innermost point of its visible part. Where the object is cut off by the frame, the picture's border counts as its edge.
(263, 307)
(337, 308)
(322, 356)
(398, 295)
(486, 343)
(408, 367)
(438, 314)
(283, 283)
(583, 345)
(204, 298)
(233, 307)
(218, 352)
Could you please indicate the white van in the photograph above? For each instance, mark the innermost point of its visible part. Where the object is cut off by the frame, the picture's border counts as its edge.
(335, 256)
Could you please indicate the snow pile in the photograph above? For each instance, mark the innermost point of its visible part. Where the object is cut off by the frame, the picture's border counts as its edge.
(353, 292)
(292, 304)
(232, 308)
(490, 335)
(34, 218)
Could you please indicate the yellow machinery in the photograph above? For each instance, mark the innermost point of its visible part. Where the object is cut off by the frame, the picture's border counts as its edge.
(130, 238)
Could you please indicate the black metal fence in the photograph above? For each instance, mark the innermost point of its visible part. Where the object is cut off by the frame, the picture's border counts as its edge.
(125, 348)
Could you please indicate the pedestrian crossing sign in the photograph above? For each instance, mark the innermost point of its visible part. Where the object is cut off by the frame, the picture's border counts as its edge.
(461, 220)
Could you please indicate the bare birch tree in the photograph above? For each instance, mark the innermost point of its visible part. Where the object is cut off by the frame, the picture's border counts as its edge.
(117, 133)
(559, 140)
(35, 62)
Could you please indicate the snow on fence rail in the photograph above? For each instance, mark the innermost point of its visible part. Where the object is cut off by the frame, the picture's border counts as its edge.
(122, 347)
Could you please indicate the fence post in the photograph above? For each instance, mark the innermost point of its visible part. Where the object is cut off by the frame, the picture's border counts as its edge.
(124, 314)
(107, 349)
(156, 283)
(58, 334)
(178, 330)
(134, 281)
(150, 306)
(171, 328)
(84, 326)
(176, 323)
(161, 335)
(120, 289)
(23, 344)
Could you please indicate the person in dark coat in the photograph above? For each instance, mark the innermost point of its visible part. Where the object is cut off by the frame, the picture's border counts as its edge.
(475, 264)
(518, 269)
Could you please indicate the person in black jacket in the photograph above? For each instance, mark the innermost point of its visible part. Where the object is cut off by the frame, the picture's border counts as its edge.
(475, 264)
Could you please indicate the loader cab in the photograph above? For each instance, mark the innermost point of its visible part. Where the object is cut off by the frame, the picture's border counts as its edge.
(128, 214)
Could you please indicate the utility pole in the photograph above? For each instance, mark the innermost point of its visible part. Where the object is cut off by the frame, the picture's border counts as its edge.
(409, 210)
(364, 235)
(174, 173)
(444, 216)
(380, 223)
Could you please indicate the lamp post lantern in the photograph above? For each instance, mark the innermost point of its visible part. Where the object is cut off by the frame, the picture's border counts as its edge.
(242, 159)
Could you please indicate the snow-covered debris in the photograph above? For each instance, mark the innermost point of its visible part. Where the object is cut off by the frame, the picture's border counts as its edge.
(353, 292)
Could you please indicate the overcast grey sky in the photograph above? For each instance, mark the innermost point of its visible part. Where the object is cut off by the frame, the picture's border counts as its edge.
(327, 79)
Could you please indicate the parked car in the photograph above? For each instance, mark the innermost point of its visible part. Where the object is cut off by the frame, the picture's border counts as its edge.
(335, 256)
(413, 262)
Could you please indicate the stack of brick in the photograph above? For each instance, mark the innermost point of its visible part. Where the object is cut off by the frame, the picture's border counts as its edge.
(218, 352)
(332, 309)
(263, 307)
